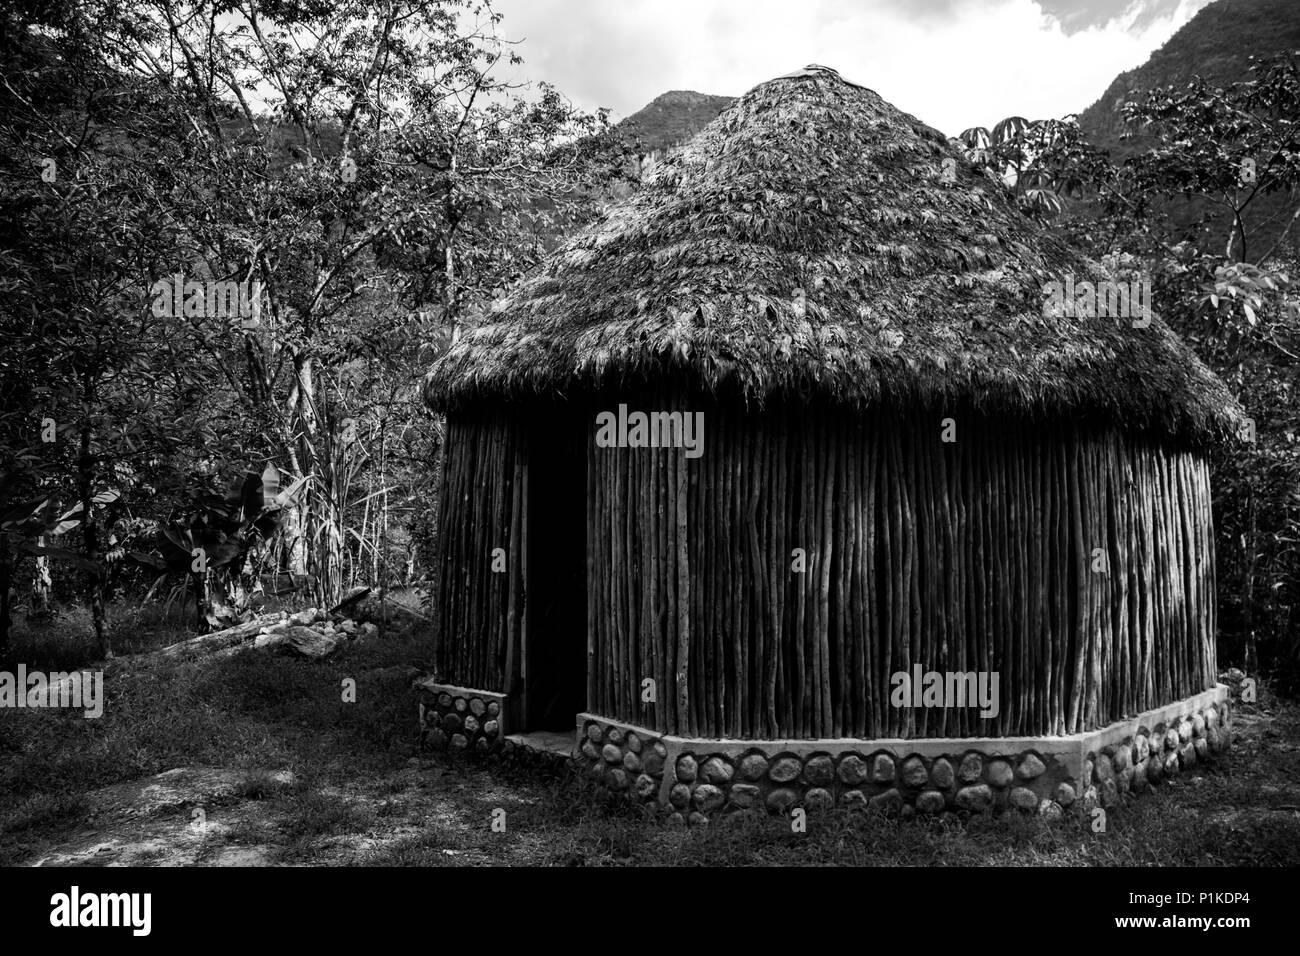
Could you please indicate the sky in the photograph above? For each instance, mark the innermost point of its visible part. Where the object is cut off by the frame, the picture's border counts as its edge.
(951, 63)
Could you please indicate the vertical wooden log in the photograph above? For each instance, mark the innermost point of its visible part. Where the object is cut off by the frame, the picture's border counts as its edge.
(683, 595)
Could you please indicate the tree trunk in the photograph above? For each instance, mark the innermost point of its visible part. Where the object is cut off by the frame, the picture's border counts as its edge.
(202, 599)
(6, 577)
(89, 529)
(383, 527)
(1251, 653)
(41, 580)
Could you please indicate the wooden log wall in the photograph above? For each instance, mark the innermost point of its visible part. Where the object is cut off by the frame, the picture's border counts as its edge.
(479, 612)
(1077, 563)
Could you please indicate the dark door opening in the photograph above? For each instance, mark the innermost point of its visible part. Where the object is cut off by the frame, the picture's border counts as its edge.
(555, 644)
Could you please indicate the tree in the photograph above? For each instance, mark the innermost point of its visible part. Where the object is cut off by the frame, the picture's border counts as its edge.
(1228, 146)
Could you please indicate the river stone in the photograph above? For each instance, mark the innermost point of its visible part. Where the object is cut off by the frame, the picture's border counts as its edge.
(1102, 770)
(717, 771)
(477, 707)
(891, 801)
(451, 723)
(1155, 768)
(461, 704)
(999, 773)
(882, 768)
(1171, 763)
(971, 769)
(491, 728)
(708, 797)
(1123, 758)
(1141, 748)
(753, 766)
(819, 770)
(1214, 737)
(1211, 717)
(459, 742)
(1198, 726)
(818, 799)
(1171, 740)
(653, 763)
(1050, 810)
(632, 762)
(471, 724)
(1202, 748)
(660, 749)
(1030, 767)
(1065, 794)
(698, 819)
(785, 769)
(646, 787)
(942, 774)
(1086, 776)
(852, 769)
(594, 733)
(687, 768)
(1024, 798)
(1184, 731)
(1139, 775)
(589, 750)
(481, 745)
(976, 798)
(744, 795)
(679, 796)
(633, 743)
(612, 754)
(676, 820)
(930, 801)
(493, 708)
(1089, 799)
(914, 773)
(1187, 756)
(614, 735)
(782, 799)
(444, 700)
(1108, 792)
(853, 799)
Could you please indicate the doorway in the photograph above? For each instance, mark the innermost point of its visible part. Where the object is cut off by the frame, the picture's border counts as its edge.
(555, 635)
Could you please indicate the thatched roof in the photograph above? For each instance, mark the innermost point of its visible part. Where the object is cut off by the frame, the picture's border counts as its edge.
(806, 242)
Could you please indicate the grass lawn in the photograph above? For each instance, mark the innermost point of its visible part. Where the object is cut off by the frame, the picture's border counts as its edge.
(280, 770)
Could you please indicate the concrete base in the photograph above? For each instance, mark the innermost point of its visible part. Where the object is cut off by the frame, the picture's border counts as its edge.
(460, 718)
(698, 778)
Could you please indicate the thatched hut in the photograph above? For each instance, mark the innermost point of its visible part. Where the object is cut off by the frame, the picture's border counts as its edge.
(899, 477)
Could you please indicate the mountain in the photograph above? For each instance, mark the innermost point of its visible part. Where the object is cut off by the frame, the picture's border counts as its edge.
(1215, 44)
(672, 118)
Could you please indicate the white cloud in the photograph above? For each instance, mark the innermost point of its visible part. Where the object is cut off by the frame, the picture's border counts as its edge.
(951, 63)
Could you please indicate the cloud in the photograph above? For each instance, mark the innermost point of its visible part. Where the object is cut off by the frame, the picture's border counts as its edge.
(951, 63)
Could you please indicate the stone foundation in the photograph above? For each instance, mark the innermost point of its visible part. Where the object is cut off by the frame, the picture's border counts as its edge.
(699, 779)
(460, 718)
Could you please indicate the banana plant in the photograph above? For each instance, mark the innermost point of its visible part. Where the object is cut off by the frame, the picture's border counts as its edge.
(208, 546)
